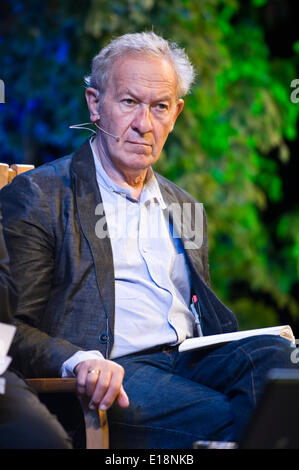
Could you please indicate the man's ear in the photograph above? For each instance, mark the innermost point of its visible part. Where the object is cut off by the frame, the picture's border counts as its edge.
(93, 97)
(179, 108)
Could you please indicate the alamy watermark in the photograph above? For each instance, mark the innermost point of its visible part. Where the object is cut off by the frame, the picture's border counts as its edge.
(295, 84)
(2, 91)
(295, 352)
(184, 221)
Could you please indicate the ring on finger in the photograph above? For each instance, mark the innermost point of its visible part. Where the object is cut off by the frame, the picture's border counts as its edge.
(93, 371)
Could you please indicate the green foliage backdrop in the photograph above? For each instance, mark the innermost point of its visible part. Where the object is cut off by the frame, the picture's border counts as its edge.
(228, 146)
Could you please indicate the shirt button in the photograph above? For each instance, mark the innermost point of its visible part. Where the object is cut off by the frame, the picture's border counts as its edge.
(103, 338)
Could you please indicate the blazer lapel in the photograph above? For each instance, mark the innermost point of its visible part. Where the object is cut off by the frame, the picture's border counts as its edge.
(88, 198)
(182, 217)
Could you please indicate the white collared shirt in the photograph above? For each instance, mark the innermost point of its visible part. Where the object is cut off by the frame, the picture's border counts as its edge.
(152, 282)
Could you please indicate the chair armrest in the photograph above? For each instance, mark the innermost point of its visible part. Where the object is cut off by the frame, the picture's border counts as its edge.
(53, 385)
(96, 422)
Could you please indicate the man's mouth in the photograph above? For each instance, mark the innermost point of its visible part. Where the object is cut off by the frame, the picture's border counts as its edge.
(138, 143)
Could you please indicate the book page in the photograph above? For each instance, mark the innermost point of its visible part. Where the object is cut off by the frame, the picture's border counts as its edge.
(204, 341)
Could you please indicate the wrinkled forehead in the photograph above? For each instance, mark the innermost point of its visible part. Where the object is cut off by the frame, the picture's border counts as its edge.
(142, 70)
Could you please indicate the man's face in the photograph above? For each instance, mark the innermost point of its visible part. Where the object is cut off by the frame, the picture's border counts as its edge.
(140, 106)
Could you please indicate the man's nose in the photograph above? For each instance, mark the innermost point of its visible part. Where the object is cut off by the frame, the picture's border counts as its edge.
(142, 122)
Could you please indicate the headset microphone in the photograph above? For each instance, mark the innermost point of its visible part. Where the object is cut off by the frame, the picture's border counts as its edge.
(84, 124)
(105, 132)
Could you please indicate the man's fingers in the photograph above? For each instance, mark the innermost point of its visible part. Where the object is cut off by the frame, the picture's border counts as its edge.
(101, 380)
(103, 384)
(123, 399)
(91, 381)
(108, 388)
(87, 377)
(81, 381)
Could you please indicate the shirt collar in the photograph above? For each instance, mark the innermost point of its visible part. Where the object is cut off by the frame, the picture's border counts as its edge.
(150, 192)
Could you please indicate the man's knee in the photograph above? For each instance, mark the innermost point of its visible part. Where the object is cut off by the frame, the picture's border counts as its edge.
(47, 435)
(274, 350)
(25, 422)
(32, 432)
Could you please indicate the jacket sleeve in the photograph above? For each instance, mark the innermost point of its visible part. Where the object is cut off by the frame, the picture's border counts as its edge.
(30, 239)
(8, 294)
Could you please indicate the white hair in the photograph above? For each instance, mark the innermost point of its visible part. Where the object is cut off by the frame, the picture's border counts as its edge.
(146, 42)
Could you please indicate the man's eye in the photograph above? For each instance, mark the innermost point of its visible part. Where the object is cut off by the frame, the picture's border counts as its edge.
(162, 106)
(128, 101)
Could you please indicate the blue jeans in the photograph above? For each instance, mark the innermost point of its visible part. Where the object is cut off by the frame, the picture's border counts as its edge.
(178, 398)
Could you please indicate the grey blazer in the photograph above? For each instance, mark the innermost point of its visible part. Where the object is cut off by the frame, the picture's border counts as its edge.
(64, 272)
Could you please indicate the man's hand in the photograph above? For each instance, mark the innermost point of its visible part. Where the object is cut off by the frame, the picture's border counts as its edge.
(101, 380)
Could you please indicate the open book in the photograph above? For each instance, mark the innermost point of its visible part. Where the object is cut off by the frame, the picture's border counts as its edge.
(203, 341)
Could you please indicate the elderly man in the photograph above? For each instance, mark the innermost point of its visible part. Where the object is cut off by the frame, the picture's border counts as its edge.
(107, 262)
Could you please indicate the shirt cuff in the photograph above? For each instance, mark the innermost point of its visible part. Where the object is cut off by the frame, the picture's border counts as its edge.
(67, 368)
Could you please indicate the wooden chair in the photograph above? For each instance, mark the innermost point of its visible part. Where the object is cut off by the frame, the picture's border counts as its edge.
(7, 173)
(96, 422)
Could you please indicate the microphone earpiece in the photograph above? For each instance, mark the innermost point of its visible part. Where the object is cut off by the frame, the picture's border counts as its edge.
(81, 126)
(105, 132)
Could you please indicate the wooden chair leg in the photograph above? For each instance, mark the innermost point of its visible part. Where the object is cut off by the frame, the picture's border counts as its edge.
(96, 427)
